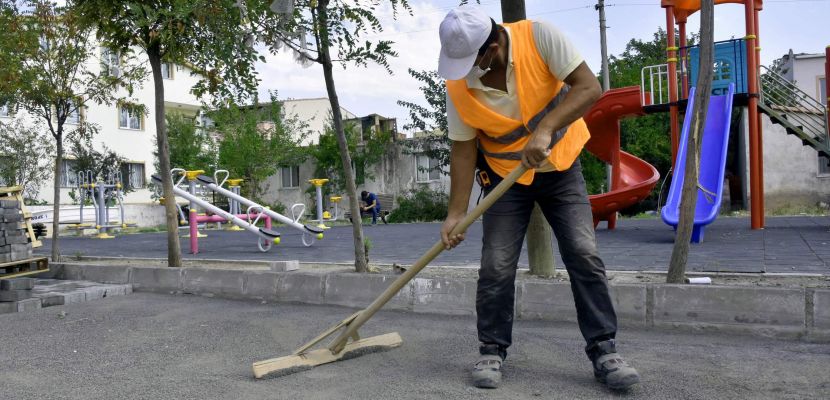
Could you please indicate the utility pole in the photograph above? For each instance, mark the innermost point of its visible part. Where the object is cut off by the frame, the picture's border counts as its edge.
(606, 79)
(539, 234)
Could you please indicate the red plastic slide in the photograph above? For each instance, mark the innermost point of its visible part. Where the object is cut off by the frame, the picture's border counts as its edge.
(632, 178)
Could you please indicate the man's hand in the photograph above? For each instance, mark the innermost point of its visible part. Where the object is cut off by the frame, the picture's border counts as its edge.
(536, 150)
(450, 223)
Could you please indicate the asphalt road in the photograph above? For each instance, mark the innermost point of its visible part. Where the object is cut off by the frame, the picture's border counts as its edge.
(152, 346)
(787, 244)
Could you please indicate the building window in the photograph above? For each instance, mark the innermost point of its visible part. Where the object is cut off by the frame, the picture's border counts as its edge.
(167, 70)
(110, 62)
(132, 175)
(129, 119)
(822, 90)
(69, 174)
(5, 110)
(426, 169)
(291, 177)
(73, 115)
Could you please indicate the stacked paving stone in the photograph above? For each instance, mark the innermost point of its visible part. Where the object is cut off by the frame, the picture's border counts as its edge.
(14, 242)
(16, 295)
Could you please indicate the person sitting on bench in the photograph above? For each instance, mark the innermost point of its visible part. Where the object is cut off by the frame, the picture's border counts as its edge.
(372, 206)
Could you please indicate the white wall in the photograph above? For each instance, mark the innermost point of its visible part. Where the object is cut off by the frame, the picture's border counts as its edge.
(314, 112)
(806, 72)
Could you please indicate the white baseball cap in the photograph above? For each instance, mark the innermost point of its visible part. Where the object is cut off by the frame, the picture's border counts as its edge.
(463, 31)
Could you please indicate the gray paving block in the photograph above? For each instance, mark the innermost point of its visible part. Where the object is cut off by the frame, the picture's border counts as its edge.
(629, 303)
(9, 307)
(73, 297)
(115, 290)
(284, 266)
(17, 284)
(729, 305)
(72, 272)
(821, 309)
(444, 295)
(156, 278)
(359, 290)
(261, 285)
(106, 273)
(10, 204)
(94, 292)
(546, 300)
(300, 287)
(49, 299)
(15, 295)
(28, 305)
(219, 282)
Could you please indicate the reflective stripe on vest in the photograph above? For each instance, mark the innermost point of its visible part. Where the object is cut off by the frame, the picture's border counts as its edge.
(523, 131)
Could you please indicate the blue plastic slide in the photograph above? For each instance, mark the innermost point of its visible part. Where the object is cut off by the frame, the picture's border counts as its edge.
(712, 164)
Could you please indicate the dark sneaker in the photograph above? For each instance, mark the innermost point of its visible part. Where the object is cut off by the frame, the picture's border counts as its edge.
(487, 371)
(611, 369)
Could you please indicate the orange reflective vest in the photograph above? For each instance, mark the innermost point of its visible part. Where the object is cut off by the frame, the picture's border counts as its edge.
(502, 139)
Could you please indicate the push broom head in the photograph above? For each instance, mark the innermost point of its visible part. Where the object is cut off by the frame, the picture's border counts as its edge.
(303, 361)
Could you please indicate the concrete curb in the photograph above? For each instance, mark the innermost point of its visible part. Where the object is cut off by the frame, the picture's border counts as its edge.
(778, 312)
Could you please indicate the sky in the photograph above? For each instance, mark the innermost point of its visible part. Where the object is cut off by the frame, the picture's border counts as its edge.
(800, 25)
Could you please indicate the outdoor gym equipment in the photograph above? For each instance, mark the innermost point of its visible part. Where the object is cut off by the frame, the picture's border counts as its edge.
(266, 236)
(235, 186)
(100, 192)
(318, 184)
(310, 233)
(303, 358)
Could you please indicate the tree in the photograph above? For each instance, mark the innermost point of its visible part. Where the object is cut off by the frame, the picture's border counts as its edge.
(430, 119)
(24, 156)
(191, 147)
(338, 25)
(366, 150)
(257, 140)
(51, 53)
(210, 35)
(688, 200)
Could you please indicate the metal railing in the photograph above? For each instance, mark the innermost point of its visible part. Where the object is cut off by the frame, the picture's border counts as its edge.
(654, 85)
(798, 107)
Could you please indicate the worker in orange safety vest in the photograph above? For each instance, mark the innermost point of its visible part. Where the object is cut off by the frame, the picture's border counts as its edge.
(515, 94)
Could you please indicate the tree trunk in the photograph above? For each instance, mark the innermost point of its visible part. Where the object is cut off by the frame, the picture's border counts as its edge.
(174, 254)
(688, 201)
(56, 198)
(539, 236)
(360, 262)
(539, 245)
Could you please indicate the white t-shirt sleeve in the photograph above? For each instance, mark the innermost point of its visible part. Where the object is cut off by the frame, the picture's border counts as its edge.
(458, 130)
(556, 49)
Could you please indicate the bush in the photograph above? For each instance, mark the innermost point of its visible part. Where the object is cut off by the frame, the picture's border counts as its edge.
(421, 205)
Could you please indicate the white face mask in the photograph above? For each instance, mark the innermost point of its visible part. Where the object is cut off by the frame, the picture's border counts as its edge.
(476, 72)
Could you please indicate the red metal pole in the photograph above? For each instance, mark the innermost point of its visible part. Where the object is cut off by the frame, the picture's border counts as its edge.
(684, 60)
(194, 233)
(671, 54)
(756, 172)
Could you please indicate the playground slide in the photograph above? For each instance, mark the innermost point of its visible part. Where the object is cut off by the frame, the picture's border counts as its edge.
(632, 178)
(266, 235)
(307, 230)
(712, 164)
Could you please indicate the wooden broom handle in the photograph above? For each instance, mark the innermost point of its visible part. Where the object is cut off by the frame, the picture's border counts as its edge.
(337, 344)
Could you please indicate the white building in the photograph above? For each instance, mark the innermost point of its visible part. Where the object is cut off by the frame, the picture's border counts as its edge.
(131, 136)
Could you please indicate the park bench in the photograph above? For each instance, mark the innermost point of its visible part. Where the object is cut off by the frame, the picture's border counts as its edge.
(387, 204)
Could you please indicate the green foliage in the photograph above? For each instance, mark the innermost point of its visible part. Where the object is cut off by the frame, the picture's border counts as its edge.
(421, 205)
(366, 150)
(430, 119)
(105, 164)
(191, 147)
(25, 153)
(256, 141)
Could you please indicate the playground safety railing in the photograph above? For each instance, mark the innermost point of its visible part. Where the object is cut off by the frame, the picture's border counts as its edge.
(654, 84)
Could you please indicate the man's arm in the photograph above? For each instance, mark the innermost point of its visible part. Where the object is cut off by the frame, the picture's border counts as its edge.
(585, 90)
(462, 168)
